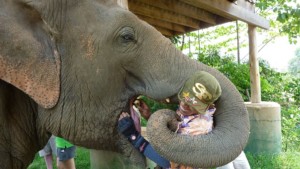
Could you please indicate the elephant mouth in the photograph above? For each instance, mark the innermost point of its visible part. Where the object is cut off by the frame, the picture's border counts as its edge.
(134, 112)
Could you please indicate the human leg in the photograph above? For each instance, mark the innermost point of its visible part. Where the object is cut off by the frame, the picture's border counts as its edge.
(46, 152)
(48, 161)
(67, 164)
(241, 162)
(227, 166)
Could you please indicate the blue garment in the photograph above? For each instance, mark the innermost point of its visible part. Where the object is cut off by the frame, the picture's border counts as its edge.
(150, 153)
(126, 127)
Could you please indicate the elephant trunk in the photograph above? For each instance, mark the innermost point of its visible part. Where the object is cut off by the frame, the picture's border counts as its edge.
(222, 145)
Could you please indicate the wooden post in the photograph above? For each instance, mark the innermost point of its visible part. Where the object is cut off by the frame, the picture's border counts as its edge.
(238, 42)
(254, 67)
(123, 3)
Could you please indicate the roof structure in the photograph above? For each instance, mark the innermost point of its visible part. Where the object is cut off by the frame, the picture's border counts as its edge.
(175, 17)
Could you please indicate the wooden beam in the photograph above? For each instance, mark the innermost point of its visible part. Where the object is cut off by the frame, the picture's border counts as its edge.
(254, 66)
(178, 29)
(165, 32)
(250, 6)
(153, 12)
(182, 9)
(167, 25)
(230, 11)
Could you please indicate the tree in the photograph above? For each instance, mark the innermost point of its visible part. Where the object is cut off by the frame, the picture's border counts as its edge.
(283, 15)
(294, 64)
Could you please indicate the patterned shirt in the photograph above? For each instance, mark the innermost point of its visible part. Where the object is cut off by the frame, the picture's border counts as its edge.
(196, 124)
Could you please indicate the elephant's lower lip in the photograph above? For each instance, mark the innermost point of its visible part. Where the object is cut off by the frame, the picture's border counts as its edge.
(134, 114)
(128, 107)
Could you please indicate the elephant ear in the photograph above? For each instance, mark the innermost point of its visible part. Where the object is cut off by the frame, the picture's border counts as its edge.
(28, 56)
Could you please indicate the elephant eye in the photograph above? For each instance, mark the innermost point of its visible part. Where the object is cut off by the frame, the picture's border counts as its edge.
(127, 35)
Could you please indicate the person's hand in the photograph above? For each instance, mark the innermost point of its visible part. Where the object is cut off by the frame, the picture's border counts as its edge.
(143, 108)
(126, 125)
(127, 128)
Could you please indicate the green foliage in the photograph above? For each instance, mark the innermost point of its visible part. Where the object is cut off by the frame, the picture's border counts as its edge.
(292, 87)
(237, 73)
(291, 128)
(175, 39)
(155, 105)
(294, 64)
(39, 163)
(272, 82)
(286, 160)
(287, 14)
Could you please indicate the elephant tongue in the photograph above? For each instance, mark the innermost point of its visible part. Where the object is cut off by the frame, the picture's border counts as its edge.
(135, 115)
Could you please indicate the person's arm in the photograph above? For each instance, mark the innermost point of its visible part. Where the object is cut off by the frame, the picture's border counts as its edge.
(126, 127)
(143, 109)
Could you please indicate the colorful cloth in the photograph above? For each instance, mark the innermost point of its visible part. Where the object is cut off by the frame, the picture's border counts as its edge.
(196, 124)
(62, 143)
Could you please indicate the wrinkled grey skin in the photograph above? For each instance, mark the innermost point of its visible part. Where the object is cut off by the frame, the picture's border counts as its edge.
(70, 68)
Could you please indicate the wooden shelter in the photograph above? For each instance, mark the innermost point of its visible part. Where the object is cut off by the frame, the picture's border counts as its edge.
(176, 17)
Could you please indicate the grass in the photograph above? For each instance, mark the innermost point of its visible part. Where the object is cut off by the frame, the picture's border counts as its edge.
(285, 160)
(82, 160)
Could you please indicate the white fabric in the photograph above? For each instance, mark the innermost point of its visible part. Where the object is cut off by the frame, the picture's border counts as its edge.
(240, 162)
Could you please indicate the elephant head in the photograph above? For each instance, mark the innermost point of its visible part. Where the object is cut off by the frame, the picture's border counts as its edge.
(70, 68)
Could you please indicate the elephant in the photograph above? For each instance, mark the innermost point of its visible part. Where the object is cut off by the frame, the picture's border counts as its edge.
(70, 67)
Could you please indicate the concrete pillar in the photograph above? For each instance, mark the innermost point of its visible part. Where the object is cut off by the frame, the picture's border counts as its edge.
(265, 128)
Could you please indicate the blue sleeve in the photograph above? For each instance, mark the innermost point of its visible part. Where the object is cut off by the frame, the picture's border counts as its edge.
(126, 127)
(150, 153)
